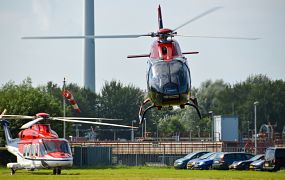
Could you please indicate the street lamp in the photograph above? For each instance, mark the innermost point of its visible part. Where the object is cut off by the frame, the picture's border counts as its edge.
(255, 137)
(133, 135)
(212, 129)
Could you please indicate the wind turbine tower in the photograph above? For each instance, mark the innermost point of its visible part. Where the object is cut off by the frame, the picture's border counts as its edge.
(89, 46)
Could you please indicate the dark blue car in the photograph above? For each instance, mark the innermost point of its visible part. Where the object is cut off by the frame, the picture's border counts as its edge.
(182, 162)
(192, 162)
(205, 164)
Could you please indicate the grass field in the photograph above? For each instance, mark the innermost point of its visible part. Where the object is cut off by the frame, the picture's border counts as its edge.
(140, 173)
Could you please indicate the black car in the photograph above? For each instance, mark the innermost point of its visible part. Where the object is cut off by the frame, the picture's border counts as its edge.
(244, 165)
(274, 158)
(182, 162)
(225, 159)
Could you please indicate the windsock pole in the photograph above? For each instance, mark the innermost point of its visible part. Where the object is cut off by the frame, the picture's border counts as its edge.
(64, 115)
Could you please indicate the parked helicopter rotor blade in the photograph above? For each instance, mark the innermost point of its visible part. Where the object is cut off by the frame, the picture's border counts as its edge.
(18, 117)
(3, 113)
(90, 122)
(29, 124)
(87, 118)
(197, 17)
(88, 37)
(221, 37)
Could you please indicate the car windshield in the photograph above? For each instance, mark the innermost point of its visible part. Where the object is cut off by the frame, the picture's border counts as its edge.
(57, 145)
(207, 155)
(269, 154)
(217, 156)
(257, 157)
(189, 155)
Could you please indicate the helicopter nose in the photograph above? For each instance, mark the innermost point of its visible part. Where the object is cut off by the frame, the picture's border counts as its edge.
(170, 89)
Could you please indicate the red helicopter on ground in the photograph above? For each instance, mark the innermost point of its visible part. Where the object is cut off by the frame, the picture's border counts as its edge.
(38, 146)
(168, 75)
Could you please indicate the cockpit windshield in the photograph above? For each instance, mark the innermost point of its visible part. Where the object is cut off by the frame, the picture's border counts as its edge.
(57, 145)
(169, 77)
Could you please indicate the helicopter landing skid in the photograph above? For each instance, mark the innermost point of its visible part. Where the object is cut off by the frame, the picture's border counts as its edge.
(143, 111)
(194, 104)
(195, 107)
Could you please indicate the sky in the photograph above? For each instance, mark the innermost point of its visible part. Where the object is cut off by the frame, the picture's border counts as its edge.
(52, 60)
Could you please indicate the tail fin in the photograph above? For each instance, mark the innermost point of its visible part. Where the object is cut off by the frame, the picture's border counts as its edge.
(160, 24)
(7, 132)
(5, 125)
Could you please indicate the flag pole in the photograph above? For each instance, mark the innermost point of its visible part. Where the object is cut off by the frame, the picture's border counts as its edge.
(63, 100)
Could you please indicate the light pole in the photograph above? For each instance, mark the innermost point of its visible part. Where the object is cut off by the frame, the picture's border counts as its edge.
(212, 128)
(144, 127)
(133, 135)
(255, 135)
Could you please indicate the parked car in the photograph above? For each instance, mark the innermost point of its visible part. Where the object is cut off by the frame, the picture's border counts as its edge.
(274, 158)
(205, 164)
(182, 162)
(244, 165)
(257, 165)
(191, 163)
(225, 159)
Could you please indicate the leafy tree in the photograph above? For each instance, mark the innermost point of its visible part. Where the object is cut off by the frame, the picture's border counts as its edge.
(120, 102)
(26, 100)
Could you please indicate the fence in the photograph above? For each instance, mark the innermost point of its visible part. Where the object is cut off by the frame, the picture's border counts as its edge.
(138, 153)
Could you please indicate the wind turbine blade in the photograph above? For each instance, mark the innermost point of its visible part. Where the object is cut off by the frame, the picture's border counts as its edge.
(198, 17)
(90, 122)
(221, 37)
(88, 37)
(29, 124)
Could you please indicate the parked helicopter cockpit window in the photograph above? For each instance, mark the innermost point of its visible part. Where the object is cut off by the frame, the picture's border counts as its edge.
(56, 146)
(42, 150)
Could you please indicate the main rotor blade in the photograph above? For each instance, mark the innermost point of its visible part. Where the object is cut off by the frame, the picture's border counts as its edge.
(90, 122)
(29, 124)
(3, 113)
(87, 118)
(198, 17)
(221, 37)
(18, 117)
(88, 37)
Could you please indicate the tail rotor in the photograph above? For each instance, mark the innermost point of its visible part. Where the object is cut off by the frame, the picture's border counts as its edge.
(160, 23)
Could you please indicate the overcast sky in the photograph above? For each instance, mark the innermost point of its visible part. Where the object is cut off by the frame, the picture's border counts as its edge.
(51, 60)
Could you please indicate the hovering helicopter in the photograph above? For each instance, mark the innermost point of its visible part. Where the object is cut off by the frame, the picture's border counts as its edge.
(168, 75)
(38, 146)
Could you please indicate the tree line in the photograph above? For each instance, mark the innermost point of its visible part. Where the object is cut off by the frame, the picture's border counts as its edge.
(119, 101)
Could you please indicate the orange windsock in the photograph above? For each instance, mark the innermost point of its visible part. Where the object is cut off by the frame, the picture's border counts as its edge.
(71, 100)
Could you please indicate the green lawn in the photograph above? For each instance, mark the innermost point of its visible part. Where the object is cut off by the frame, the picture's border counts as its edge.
(140, 173)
